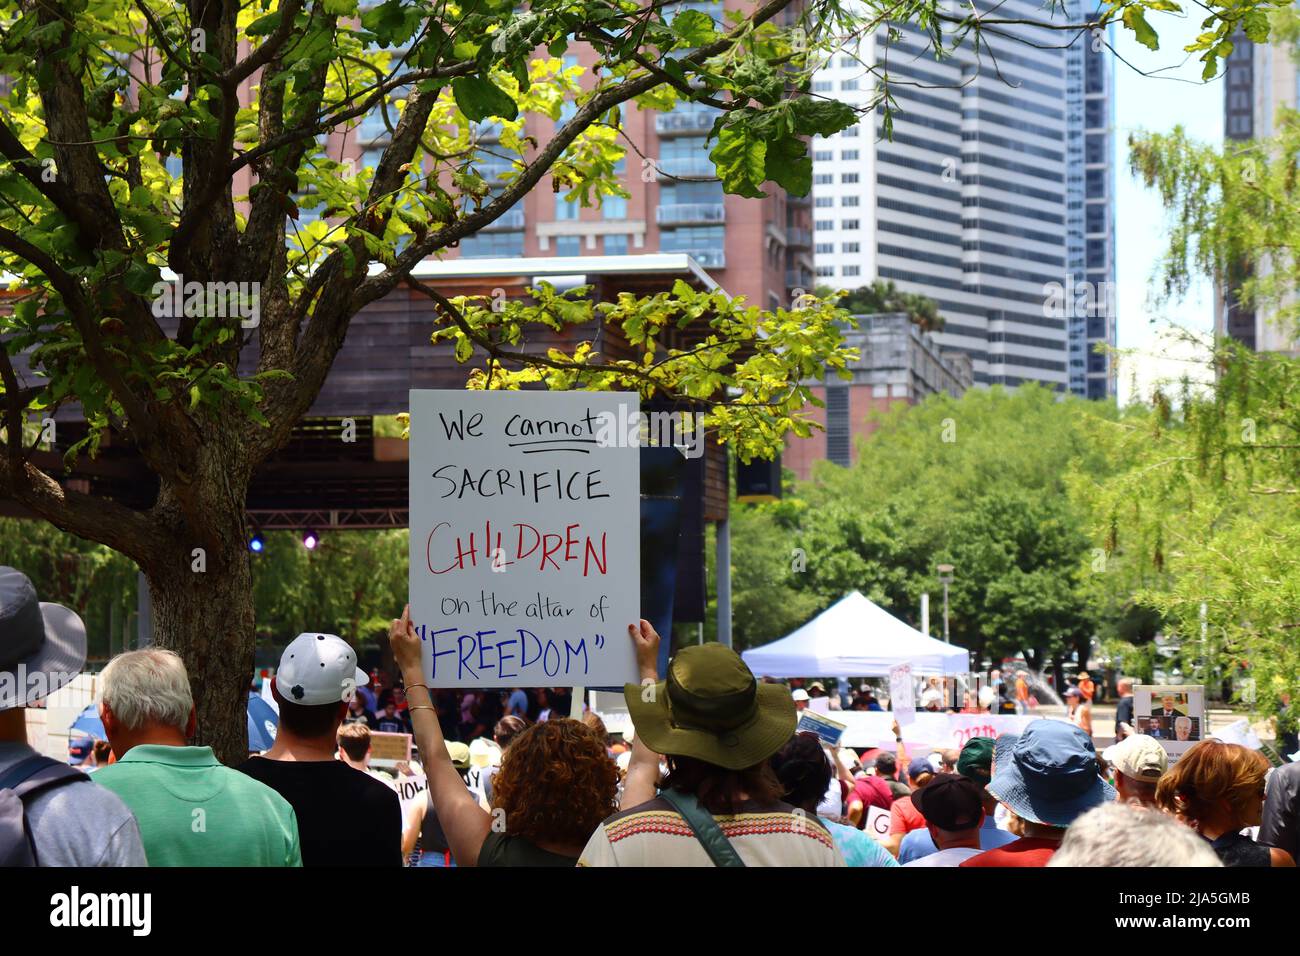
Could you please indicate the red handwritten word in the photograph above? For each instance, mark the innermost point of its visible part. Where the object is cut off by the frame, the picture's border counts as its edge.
(520, 543)
(964, 734)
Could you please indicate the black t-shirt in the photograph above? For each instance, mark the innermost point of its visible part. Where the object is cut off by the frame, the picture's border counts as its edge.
(1123, 713)
(345, 817)
(396, 724)
(1237, 850)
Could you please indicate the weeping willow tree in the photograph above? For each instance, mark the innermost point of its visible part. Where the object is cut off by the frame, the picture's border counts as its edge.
(1205, 516)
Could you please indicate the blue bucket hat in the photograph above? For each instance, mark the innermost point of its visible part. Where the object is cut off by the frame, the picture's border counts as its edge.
(1048, 774)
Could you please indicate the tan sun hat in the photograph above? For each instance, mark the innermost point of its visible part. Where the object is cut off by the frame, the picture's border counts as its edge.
(484, 753)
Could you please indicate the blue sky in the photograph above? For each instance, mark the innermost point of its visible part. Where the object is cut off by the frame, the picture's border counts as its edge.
(1156, 103)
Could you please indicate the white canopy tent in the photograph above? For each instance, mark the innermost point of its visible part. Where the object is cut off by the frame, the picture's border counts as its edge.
(855, 638)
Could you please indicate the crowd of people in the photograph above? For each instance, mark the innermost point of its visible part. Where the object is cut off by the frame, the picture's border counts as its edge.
(716, 774)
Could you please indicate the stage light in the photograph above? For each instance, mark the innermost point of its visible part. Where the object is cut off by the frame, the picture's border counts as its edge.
(310, 540)
(256, 543)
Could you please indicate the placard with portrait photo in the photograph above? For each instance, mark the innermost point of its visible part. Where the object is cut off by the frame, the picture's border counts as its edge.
(1174, 714)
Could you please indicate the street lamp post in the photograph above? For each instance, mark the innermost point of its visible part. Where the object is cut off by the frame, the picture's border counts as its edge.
(945, 578)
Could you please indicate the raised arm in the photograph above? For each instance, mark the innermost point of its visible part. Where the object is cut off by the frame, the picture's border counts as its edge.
(643, 769)
(465, 823)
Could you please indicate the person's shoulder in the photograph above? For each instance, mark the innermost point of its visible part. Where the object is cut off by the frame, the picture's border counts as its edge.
(241, 784)
(86, 799)
(368, 788)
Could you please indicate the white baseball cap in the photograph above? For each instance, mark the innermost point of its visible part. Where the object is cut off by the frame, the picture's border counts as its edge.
(800, 694)
(1138, 756)
(319, 669)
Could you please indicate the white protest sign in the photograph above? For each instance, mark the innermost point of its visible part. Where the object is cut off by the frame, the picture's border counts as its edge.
(410, 789)
(877, 823)
(901, 695)
(872, 729)
(525, 537)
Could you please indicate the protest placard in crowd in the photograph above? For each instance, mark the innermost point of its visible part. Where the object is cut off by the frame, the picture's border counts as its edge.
(902, 698)
(525, 556)
(388, 749)
(1174, 714)
(410, 789)
(877, 823)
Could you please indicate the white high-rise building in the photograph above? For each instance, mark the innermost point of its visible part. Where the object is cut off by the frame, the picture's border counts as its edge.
(1260, 80)
(968, 202)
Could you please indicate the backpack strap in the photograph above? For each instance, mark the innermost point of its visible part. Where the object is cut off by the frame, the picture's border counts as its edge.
(36, 773)
(24, 779)
(706, 829)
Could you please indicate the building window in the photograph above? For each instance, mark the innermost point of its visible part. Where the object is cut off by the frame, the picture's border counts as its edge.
(826, 271)
(850, 133)
(616, 245)
(849, 201)
(823, 155)
(823, 224)
(824, 248)
(823, 86)
(837, 425)
(823, 179)
(848, 177)
(823, 201)
(848, 84)
(614, 207)
(847, 60)
(851, 246)
(849, 224)
(568, 245)
(492, 245)
(564, 209)
(849, 155)
(852, 270)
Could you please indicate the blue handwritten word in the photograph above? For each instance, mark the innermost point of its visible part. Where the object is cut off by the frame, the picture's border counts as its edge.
(478, 655)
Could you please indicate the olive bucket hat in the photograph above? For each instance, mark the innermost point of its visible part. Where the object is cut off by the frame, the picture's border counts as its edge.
(711, 708)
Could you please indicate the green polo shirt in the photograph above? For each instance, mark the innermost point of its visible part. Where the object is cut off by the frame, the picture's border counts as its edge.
(193, 811)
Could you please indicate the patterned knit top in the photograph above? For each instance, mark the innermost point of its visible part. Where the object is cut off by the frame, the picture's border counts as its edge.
(654, 834)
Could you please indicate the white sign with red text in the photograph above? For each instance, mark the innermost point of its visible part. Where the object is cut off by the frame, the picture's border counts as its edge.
(525, 537)
(864, 728)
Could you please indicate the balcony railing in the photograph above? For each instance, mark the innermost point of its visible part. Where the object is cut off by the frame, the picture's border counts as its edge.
(510, 219)
(797, 237)
(685, 122)
(690, 213)
(690, 167)
(799, 279)
(709, 258)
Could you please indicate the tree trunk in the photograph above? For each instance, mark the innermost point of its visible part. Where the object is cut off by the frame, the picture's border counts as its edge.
(207, 618)
(201, 585)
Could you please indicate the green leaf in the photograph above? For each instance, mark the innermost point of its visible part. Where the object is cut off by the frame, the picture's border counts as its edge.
(694, 27)
(819, 117)
(788, 165)
(265, 25)
(1136, 21)
(740, 158)
(478, 98)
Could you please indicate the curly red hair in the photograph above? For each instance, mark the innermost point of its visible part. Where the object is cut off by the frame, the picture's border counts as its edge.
(556, 783)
